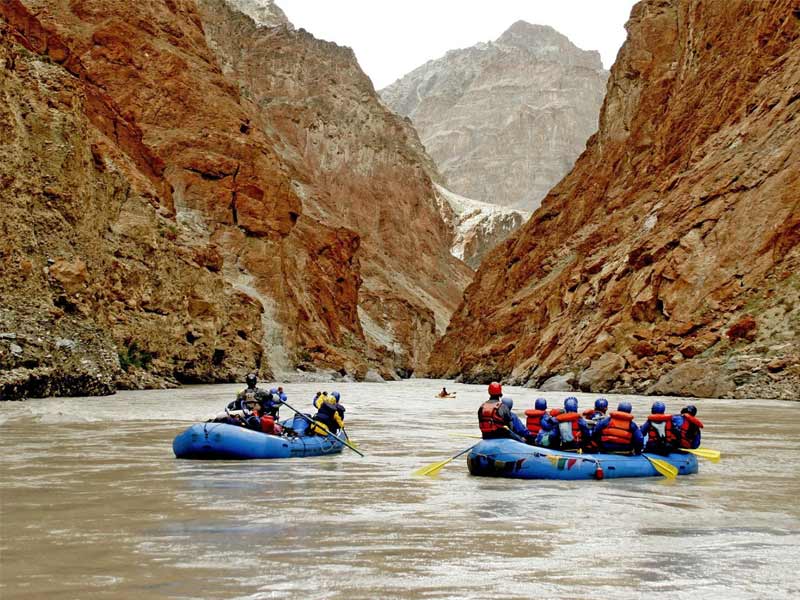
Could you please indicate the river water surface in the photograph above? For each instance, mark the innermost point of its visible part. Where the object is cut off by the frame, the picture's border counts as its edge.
(93, 504)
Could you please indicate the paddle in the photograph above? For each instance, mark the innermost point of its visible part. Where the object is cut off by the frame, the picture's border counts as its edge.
(321, 425)
(434, 468)
(663, 467)
(712, 455)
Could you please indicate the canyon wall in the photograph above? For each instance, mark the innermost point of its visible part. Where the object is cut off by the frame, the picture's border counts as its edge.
(667, 261)
(162, 223)
(505, 120)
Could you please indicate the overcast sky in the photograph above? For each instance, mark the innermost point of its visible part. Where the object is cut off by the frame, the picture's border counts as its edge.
(393, 37)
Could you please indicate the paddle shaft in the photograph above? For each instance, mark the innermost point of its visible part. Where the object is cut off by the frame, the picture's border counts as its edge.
(312, 422)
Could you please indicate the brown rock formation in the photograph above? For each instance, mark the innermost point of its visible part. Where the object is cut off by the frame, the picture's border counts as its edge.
(355, 165)
(505, 120)
(90, 272)
(195, 231)
(680, 223)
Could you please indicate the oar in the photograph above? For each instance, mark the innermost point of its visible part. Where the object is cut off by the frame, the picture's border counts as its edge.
(434, 468)
(663, 467)
(712, 455)
(322, 425)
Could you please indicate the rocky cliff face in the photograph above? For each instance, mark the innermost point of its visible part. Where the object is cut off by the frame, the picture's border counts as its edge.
(477, 226)
(92, 270)
(356, 165)
(165, 218)
(667, 260)
(505, 120)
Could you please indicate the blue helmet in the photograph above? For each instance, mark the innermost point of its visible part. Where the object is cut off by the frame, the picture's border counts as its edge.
(273, 391)
(508, 401)
(541, 404)
(658, 408)
(571, 404)
(625, 407)
(601, 404)
(691, 409)
(335, 395)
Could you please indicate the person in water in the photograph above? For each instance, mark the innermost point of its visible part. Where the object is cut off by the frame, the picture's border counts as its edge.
(570, 428)
(660, 431)
(444, 393)
(330, 413)
(688, 426)
(617, 433)
(495, 418)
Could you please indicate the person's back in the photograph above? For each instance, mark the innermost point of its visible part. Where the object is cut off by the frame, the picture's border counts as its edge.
(688, 428)
(494, 416)
(535, 415)
(596, 413)
(618, 433)
(329, 412)
(572, 429)
(659, 431)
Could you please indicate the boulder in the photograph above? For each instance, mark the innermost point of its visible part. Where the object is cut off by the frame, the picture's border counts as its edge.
(602, 373)
(694, 379)
(560, 383)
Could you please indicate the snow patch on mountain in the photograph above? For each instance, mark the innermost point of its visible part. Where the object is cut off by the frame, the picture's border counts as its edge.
(477, 226)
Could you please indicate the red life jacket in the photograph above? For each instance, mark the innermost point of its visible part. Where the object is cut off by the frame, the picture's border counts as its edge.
(654, 433)
(554, 412)
(618, 430)
(489, 419)
(566, 432)
(534, 420)
(690, 427)
(268, 424)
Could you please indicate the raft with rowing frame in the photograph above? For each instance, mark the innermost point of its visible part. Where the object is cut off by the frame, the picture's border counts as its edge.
(509, 458)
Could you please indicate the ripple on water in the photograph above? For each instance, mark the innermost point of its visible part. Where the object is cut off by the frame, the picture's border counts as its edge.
(98, 502)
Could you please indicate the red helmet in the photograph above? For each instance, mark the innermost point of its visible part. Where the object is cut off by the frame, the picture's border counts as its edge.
(495, 389)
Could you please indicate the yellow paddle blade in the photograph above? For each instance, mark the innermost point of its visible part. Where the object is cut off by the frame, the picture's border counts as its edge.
(663, 467)
(432, 469)
(712, 455)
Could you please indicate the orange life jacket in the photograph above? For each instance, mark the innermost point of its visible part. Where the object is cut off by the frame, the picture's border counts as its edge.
(268, 424)
(534, 420)
(568, 428)
(489, 419)
(656, 433)
(690, 427)
(618, 430)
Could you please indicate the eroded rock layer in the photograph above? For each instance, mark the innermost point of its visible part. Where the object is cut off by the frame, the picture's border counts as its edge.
(667, 260)
(356, 165)
(92, 273)
(191, 231)
(505, 120)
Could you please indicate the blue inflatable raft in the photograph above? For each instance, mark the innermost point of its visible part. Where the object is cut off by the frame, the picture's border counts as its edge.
(509, 458)
(230, 442)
